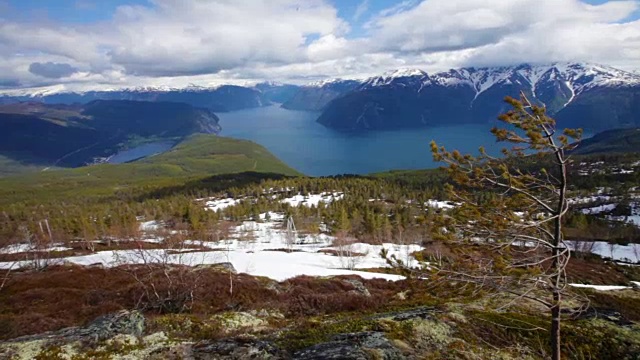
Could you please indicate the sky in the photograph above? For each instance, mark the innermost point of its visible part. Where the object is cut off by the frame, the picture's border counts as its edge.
(108, 44)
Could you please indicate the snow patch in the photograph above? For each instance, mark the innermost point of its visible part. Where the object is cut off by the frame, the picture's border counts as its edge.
(599, 209)
(600, 287)
(23, 248)
(266, 248)
(313, 199)
(221, 204)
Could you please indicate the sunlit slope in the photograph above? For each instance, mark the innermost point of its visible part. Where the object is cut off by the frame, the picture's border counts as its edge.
(199, 156)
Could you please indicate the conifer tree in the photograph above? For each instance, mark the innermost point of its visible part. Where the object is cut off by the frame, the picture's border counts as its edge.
(515, 206)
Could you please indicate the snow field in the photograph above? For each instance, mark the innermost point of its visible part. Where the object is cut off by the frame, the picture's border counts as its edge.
(263, 249)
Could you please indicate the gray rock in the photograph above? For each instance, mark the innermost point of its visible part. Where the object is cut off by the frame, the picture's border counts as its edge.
(122, 322)
(274, 286)
(238, 349)
(360, 289)
(418, 313)
(224, 266)
(358, 346)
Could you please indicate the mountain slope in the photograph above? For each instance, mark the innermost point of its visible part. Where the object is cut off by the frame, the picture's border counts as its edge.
(276, 92)
(611, 141)
(196, 157)
(73, 135)
(316, 96)
(411, 98)
(219, 99)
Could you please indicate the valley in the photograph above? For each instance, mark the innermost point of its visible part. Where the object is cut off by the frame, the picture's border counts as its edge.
(63, 135)
(319, 180)
(260, 285)
(316, 221)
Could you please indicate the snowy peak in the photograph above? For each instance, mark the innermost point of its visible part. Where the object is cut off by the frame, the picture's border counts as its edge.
(269, 83)
(329, 82)
(466, 95)
(402, 77)
(571, 79)
(577, 77)
(402, 73)
(592, 75)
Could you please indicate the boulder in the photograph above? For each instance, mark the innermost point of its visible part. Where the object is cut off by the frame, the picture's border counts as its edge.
(359, 288)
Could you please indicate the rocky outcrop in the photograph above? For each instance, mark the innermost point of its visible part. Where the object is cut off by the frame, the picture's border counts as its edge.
(359, 288)
(238, 349)
(358, 346)
(118, 332)
(123, 322)
(223, 266)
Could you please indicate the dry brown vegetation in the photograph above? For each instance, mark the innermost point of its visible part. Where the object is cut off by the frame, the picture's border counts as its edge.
(589, 269)
(63, 296)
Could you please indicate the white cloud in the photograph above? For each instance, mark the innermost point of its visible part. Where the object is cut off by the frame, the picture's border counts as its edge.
(175, 42)
(362, 8)
(513, 31)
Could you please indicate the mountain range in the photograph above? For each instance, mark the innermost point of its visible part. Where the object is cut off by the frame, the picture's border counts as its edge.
(593, 97)
(316, 96)
(219, 99)
(589, 96)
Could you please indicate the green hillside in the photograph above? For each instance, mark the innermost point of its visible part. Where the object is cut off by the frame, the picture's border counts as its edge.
(197, 157)
(612, 141)
(36, 136)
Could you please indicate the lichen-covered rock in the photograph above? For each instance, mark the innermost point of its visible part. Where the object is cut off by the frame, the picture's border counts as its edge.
(431, 335)
(223, 266)
(359, 288)
(240, 320)
(238, 349)
(418, 313)
(105, 327)
(265, 314)
(128, 324)
(358, 346)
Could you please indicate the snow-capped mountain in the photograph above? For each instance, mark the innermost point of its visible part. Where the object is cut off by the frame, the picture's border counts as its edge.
(275, 92)
(401, 77)
(415, 98)
(217, 98)
(578, 77)
(316, 95)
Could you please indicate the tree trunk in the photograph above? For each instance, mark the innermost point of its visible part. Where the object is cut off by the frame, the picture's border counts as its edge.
(558, 265)
(555, 326)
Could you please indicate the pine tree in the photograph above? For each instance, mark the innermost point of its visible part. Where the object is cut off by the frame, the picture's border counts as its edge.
(516, 207)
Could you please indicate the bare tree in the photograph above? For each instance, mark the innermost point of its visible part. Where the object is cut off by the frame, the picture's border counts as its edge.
(636, 252)
(38, 254)
(346, 250)
(291, 234)
(6, 276)
(166, 280)
(612, 249)
(514, 207)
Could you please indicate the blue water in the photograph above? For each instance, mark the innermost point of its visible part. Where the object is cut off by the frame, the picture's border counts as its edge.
(302, 143)
(140, 152)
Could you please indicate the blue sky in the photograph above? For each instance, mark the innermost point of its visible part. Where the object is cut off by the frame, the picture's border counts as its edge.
(88, 11)
(90, 43)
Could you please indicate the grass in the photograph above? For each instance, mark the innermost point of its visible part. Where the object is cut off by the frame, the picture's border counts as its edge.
(197, 157)
(9, 166)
